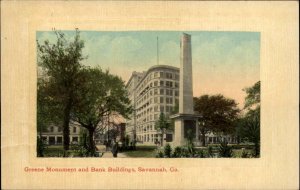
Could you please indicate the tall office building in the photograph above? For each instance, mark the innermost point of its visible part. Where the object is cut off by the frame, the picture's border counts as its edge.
(152, 92)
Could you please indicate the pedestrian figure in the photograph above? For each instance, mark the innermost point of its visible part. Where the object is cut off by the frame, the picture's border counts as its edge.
(114, 149)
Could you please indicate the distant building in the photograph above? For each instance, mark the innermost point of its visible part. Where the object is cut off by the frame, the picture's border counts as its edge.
(151, 92)
(53, 135)
(112, 128)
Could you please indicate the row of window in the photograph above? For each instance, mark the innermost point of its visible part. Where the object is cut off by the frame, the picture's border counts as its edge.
(145, 128)
(58, 140)
(148, 138)
(145, 85)
(168, 92)
(59, 129)
(157, 108)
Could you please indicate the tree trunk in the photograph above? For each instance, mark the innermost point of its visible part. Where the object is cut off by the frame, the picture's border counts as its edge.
(91, 141)
(66, 128)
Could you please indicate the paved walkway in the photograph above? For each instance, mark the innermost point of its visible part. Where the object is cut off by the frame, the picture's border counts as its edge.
(108, 154)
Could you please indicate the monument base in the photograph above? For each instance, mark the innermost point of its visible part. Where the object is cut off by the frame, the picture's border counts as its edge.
(186, 126)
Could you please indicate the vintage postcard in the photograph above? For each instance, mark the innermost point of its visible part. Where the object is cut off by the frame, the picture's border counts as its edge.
(132, 95)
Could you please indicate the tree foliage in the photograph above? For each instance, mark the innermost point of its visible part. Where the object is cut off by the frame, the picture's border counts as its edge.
(101, 94)
(248, 127)
(59, 66)
(218, 114)
(252, 99)
(162, 124)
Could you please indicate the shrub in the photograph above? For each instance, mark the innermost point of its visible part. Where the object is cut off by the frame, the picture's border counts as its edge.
(177, 152)
(160, 154)
(167, 151)
(200, 154)
(225, 150)
(186, 152)
(244, 153)
(80, 150)
(210, 152)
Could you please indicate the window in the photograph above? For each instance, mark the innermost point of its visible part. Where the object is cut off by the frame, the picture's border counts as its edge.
(167, 109)
(161, 74)
(59, 129)
(59, 140)
(169, 75)
(169, 84)
(150, 92)
(51, 129)
(75, 139)
(155, 110)
(155, 91)
(176, 85)
(176, 76)
(155, 116)
(155, 83)
(155, 74)
(74, 129)
(161, 91)
(169, 100)
(176, 93)
(161, 83)
(151, 84)
(171, 92)
(161, 108)
(161, 99)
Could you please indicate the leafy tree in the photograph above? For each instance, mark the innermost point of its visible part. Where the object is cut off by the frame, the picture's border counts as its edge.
(101, 94)
(59, 65)
(249, 125)
(162, 124)
(218, 114)
(250, 130)
(40, 147)
(252, 99)
(43, 108)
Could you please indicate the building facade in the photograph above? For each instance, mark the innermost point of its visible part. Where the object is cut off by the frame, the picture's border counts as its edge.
(151, 93)
(53, 135)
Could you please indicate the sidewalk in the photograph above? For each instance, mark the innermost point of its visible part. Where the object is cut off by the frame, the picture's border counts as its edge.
(108, 154)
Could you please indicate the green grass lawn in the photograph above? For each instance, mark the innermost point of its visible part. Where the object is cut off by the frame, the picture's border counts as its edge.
(142, 151)
(53, 151)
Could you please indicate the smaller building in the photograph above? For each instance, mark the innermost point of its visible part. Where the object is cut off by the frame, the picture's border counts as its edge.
(53, 135)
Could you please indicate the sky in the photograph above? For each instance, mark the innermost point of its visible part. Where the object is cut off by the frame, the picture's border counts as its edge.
(223, 62)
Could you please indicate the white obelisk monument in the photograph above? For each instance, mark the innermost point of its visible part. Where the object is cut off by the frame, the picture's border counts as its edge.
(186, 119)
